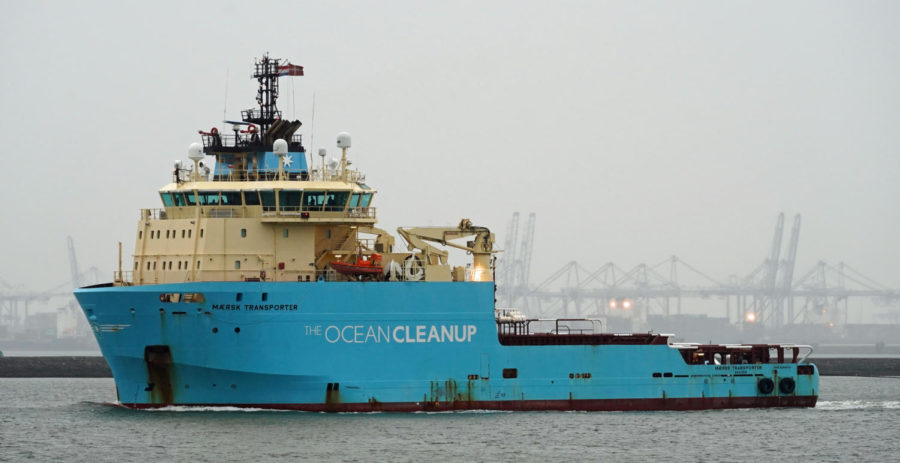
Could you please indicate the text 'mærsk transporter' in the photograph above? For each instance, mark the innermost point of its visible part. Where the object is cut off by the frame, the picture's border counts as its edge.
(265, 283)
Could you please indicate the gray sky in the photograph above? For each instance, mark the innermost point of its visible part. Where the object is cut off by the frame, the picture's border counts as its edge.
(635, 130)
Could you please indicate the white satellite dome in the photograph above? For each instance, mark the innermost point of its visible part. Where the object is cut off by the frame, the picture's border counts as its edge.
(280, 147)
(195, 152)
(343, 140)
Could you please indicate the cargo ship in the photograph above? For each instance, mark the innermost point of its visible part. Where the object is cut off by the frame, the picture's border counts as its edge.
(262, 281)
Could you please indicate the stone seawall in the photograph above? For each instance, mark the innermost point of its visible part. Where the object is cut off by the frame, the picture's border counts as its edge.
(96, 367)
(54, 367)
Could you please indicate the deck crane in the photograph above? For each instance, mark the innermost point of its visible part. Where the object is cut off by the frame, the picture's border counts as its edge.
(482, 247)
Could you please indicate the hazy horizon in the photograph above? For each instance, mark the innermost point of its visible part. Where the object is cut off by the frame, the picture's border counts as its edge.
(635, 130)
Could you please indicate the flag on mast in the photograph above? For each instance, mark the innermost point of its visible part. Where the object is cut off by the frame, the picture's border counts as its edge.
(288, 69)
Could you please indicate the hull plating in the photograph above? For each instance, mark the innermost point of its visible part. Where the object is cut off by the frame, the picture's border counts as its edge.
(387, 347)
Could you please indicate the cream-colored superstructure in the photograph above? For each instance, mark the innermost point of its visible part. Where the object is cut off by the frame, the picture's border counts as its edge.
(285, 230)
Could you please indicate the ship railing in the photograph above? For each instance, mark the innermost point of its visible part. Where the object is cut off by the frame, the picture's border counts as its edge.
(336, 212)
(213, 142)
(258, 114)
(153, 214)
(739, 354)
(124, 277)
(556, 326)
(257, 175)
(219, 212)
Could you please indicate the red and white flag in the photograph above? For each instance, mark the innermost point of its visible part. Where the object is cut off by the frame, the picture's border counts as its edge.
(288, 69)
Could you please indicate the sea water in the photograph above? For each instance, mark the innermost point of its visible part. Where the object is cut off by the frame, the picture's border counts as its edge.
(856, 419)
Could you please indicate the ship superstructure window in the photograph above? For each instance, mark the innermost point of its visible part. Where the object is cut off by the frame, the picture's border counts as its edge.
(208, 198)
(231, 198)
(268, 200)
(313, 200)
(140, 234)
(335, 201)
(167, 199)
(251, 198)
(284, 233)
(365, 199)
(265, 297)
(360, 199)
(243, 233)
(289, 200)
(237, 265)
(180, 200)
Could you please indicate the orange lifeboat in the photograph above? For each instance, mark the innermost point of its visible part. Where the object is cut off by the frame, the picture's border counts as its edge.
(363, 266)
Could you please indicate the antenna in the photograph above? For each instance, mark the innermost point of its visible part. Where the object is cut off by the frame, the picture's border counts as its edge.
(225, 106)
(312, 130)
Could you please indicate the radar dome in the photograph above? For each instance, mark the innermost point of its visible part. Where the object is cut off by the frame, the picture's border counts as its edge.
(280, 147)
(195, 152)
(323, 152)
(343, 140)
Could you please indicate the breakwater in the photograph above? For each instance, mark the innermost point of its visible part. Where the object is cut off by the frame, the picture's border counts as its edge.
(54, 367)
(96, 367)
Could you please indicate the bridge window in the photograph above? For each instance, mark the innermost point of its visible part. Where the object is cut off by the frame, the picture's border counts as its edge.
(251, 198)
(268, 200)
(354, 200)
(365, 199)
(336, 200)
(289, 200)
(179, 199)
(167, 199)
(231, 198)
(191, 199)
(313, 200)
(208, 198)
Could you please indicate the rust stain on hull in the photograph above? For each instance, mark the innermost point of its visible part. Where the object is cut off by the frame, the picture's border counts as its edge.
(159, 374)
(536, 405)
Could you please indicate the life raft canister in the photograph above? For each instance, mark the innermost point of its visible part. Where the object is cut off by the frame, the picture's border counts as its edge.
(765, 386)
(787, 385)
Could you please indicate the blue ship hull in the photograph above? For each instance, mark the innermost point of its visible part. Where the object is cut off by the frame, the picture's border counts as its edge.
(389, 346)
